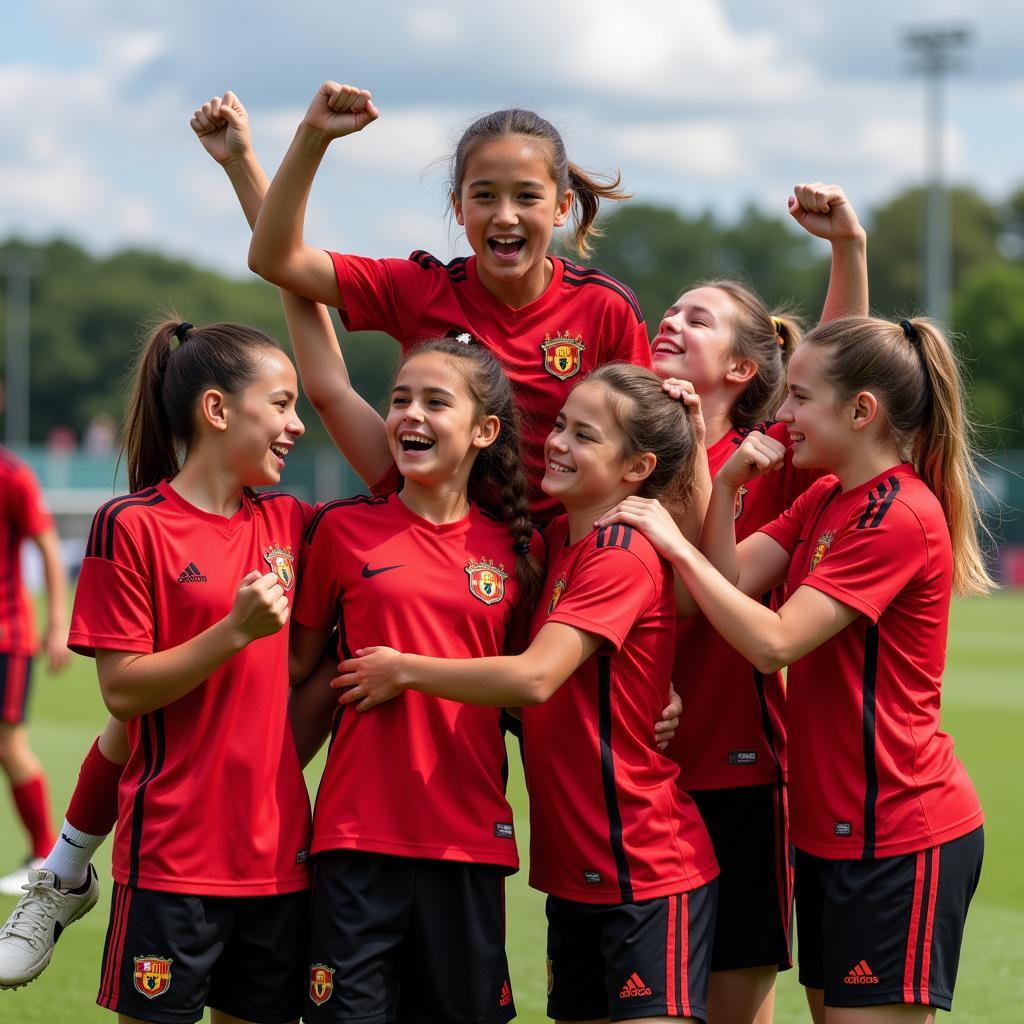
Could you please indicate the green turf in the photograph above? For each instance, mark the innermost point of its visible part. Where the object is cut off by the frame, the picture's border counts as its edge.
(984, 709)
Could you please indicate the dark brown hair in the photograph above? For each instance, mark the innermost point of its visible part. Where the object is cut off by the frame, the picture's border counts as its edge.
(170, 376)
(766, 337)
(652, 421)
(587, 190)
(497, 476)
(915, 377)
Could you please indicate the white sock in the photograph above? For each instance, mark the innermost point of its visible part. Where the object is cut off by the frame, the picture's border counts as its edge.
(69, 859)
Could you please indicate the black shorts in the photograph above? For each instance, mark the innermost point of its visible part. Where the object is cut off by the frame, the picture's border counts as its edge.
(167, 956)
(400, 938)
(650, 958)
(15, 682)
(879, 932)
(748, 828)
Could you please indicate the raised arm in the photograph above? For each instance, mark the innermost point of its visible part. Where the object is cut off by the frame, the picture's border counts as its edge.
(824, 211)
(279, 251)
(222, 126)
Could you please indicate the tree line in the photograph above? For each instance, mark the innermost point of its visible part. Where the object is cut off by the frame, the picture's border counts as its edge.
(89, 313)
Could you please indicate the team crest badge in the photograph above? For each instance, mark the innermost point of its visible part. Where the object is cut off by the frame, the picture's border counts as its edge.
(563, 354)
(321, 983)
(282, 565)
(556, 594)
(821, 548)
(738, 508)
(152, 975)
(486, 581)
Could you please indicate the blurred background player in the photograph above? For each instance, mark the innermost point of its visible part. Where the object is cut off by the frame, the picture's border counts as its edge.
(24, 515)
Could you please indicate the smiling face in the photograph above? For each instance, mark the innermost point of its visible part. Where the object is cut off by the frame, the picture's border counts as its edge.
(434, 428)
(584, 462)
(262, 424)
(695, 339)
(819, 426)
(510, 205)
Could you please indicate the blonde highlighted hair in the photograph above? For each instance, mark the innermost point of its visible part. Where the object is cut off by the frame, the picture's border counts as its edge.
(911, 368)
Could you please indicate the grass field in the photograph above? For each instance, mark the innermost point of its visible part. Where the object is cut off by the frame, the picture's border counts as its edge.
(984, 709)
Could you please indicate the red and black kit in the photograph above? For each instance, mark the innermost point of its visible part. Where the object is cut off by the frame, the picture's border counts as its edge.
(212, 802)
(584, 319)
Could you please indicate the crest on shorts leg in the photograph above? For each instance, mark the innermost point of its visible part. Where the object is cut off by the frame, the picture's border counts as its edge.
(321, 983)
(563, 354)
(152, 975)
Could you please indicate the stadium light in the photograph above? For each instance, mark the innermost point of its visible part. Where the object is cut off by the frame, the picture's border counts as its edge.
(936, 51)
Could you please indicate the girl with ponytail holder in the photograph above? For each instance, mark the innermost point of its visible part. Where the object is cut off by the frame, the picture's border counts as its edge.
(547, 319)
(722, 340)
(885, 821)
(185, 587)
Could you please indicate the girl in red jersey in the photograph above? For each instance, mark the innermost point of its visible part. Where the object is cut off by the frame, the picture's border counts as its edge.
(184, 590)
(548, 320)
(730, 748)
(413, 834)
(886, 823)
(619, 848)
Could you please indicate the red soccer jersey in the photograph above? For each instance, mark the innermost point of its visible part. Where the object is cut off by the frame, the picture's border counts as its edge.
(872, 775)
(583, 319)
(732, 732)
(608, 823)
(23, 514)
(212, 801)
(418, 776)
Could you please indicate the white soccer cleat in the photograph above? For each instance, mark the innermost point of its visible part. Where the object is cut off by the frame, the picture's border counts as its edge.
(12, 884)
(35, 924)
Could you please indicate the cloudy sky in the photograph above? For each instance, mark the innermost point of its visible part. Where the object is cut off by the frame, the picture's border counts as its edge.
(701, 103)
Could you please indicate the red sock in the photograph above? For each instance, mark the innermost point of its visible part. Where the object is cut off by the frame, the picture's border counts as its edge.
(34, 810)
(93, 806)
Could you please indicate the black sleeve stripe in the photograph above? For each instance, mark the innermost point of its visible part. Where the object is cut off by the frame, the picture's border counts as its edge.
(359, 499)
(101, 544)
(579, 276)
(880, 500)
(425, 260)
(456, 270)
(615, 536)
(96, 533)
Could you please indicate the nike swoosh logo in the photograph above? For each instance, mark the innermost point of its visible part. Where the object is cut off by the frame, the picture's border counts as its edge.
(71, 842)
(368, 572)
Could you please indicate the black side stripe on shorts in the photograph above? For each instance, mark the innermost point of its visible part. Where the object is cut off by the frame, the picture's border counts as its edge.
(611, 796)
(762, 699)
(11, 597)
(868, 719)
(108, 513)
(923, 933)
(153, 751)
(879, 500)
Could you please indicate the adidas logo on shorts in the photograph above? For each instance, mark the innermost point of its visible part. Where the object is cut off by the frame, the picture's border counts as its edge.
(634, 987)
(861, 975)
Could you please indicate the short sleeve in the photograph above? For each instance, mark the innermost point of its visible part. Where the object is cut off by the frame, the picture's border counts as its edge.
(113, 607)
(379, 295)
(319, 591)
(609, 590)
(866, 567)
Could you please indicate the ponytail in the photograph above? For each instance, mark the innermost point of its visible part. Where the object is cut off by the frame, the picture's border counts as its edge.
(177, 363)
(913, 370)
(587, 190)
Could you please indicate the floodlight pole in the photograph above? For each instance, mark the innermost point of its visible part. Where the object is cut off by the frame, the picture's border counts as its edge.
(935, 50)
(18, 269)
